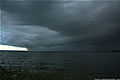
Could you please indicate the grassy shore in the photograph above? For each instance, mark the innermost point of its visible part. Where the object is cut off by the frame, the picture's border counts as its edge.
(54, 74)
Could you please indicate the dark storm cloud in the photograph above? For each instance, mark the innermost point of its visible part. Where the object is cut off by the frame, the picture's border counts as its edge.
(82, 24)
(27, 35)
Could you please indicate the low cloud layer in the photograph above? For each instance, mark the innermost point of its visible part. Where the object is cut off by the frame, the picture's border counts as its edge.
(61, 25)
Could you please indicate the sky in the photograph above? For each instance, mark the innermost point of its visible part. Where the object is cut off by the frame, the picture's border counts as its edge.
(61, 25)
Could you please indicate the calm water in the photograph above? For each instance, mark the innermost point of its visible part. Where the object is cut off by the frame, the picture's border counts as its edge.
(92, 61)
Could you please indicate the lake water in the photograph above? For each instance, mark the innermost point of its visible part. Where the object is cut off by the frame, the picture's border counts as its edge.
(90, 61)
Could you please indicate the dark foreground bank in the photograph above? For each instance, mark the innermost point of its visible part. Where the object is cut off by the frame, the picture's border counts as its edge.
(54, 74)
(59, 66)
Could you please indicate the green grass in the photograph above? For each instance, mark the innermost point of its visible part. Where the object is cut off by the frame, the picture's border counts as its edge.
(8, 74)
(52, 74)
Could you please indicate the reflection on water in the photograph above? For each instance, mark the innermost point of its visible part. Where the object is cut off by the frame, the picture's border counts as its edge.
(93, 61)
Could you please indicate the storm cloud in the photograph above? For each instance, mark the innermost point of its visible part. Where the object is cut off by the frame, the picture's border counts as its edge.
(61, 25)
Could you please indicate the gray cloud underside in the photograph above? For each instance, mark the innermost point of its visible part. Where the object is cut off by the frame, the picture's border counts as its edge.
(62, 25)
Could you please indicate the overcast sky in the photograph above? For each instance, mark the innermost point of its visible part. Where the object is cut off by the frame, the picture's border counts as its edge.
(61, 25)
